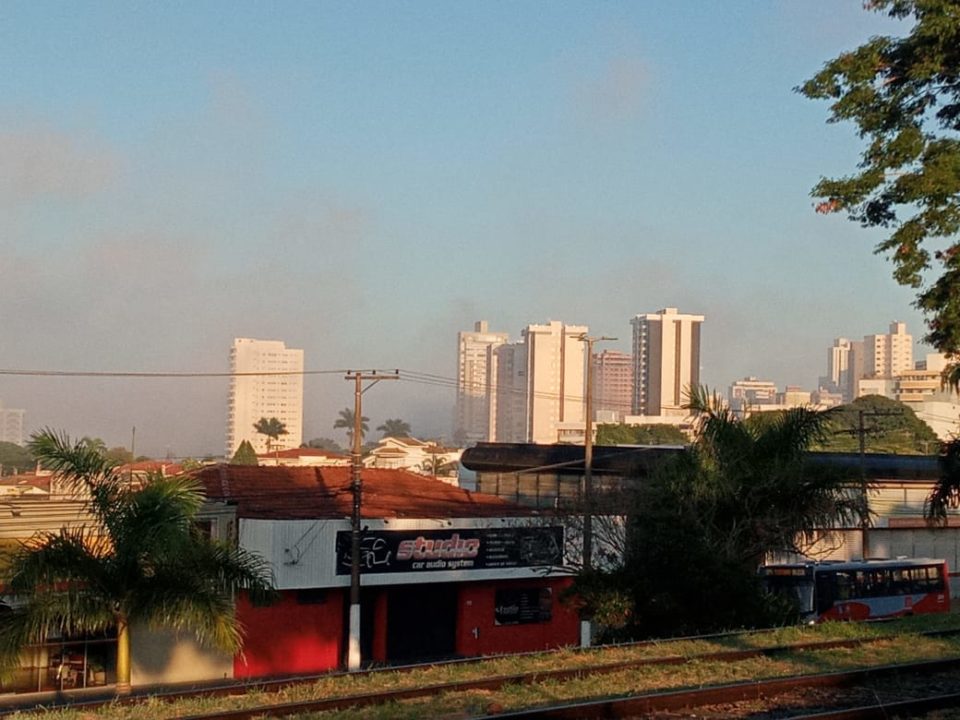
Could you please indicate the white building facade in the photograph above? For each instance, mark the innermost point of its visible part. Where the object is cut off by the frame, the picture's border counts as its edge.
(556, 378)
(11, 425)
(266, 382)
(666, 361)
(476, 411)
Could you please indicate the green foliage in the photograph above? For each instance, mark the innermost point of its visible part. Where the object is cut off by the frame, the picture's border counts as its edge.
(903, 95)
(394, 428)
(896, 429)
(621, 434)
(700, 526)
(324, 444)
(272, 428)
(14, 458)
(245, 455)
(118, 455)
(143, 561)
(346, 421)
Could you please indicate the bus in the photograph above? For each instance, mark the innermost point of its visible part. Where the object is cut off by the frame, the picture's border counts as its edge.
(861, 589)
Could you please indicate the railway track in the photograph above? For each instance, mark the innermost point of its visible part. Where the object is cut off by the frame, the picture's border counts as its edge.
(759, 699)
(493, 683)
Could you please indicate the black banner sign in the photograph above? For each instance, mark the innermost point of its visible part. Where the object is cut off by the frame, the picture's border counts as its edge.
(516, 606)
(392, 551)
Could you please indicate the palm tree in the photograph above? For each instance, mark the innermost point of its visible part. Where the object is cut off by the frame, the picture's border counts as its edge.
(767, 498)
(436, 465)
(394, 428)
(144, 562)
(346, 421)
(272, 428)
(742, 490)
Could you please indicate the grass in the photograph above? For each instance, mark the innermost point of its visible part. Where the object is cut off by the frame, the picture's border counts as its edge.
(900, 644)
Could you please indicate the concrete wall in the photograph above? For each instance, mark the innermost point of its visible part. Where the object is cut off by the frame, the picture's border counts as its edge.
(164, 656)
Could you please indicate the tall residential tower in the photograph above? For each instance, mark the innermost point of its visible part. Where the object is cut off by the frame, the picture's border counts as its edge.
(276, 393)
(666, 361)
(476, 413)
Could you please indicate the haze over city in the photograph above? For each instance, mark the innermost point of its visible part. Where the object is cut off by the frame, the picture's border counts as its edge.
(363, 182)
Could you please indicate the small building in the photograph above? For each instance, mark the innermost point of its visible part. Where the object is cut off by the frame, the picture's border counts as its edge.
(303, 457)
(445, 572)
(407, 453)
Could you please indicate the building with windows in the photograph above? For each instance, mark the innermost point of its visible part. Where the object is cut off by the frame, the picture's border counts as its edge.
(11, 425)
(612, 384)
(476, 410)
(556, 378)
(666, 361)
(266, 382)
(751, 392)
(509, 393)
(888, 354)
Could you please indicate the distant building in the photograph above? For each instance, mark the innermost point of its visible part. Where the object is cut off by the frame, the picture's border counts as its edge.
(888, 354)
(303, 457)
(540, 383)
(750, 392)
(509, 364)
(267, 382)
(556, 377)
(425, 458)
(839, 357)
(612, 384)
(476, 410)
(793, 396)
(666, 361)
(11, 425)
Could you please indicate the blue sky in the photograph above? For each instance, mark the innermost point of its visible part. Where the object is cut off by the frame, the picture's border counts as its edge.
(364, 180)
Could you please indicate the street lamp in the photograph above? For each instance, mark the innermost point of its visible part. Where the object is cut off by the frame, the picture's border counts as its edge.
(588, 476)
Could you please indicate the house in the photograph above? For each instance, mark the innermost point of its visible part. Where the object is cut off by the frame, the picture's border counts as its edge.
(406, 453)
(303, 457)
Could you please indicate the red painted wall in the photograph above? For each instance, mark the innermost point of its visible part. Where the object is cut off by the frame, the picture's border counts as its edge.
(289, 637)
(476, 612)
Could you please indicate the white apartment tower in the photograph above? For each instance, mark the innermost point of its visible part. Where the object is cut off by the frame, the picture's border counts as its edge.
(666, 361)
(556, 378)
(476, 411)
(11, 425)
(276, 393)
(887, 355)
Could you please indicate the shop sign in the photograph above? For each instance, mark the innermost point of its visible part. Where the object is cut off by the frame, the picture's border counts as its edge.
(392, 551)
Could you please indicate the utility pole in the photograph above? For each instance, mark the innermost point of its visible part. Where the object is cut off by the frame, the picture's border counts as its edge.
(587, 563)
(864, 496)
(356, 486)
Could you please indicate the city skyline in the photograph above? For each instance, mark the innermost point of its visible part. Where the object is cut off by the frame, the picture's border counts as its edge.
(175, 177)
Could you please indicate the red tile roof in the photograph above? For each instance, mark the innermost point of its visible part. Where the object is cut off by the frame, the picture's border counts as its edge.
(298, 493)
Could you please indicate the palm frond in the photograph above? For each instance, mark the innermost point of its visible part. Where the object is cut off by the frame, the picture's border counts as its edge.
(946, 493)
(78, 463)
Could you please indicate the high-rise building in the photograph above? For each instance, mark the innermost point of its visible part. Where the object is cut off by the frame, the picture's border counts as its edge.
(509, 391)
(267, 383)
(837, 378)
(556, 378)
(476, 410)
(612, 384)
(11, 425)
(889, 354)
(666, 361)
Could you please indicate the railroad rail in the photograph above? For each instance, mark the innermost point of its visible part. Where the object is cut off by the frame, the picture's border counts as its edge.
(490, 683)
(652, 704)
